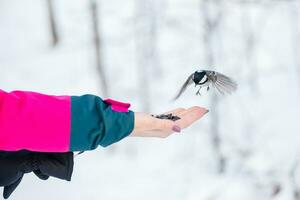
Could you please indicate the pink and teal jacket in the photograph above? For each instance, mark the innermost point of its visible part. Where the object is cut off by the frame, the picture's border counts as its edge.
(47, 123)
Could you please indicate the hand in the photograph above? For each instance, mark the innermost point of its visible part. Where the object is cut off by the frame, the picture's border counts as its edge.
(147, 126)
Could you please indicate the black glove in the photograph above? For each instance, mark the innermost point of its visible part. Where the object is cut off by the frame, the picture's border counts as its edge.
(13, 166)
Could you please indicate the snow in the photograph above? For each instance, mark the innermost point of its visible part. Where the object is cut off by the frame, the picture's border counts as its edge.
(259, 130)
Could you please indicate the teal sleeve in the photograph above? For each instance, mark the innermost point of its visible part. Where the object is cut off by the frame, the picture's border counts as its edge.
(94, 123)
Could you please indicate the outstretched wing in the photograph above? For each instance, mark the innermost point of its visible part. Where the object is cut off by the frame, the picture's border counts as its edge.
(224, 84)
(189, 81)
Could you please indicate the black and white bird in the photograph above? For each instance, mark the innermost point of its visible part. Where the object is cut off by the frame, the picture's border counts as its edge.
(205, 78)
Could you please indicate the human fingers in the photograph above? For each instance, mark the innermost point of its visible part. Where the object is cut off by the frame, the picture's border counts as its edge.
(191, 115)
(175, 111)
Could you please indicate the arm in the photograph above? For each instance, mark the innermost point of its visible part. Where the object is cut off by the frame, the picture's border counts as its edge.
(48, 123)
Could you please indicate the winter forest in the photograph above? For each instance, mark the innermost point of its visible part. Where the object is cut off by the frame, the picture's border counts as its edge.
(141, 51)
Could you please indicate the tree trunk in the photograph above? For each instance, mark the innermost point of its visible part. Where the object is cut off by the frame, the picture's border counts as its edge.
(97, 43)
(52, 23)
(144, 50)
(250, 46)
(211, 24)
(295, 26)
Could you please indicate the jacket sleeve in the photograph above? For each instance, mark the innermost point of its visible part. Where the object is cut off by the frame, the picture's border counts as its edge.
(48, 123)
(97, 122)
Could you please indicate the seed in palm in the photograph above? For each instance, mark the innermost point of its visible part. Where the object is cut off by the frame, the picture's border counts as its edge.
(167, 116)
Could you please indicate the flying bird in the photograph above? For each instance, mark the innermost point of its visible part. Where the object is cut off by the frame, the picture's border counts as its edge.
(205, 78)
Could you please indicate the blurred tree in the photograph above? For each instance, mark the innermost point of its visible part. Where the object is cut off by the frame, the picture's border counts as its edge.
(250, 45)
(98, 49)
(211, 14)
(295, 27)
(294, 181)
(252, 28)
(148, 59)
(52, 23)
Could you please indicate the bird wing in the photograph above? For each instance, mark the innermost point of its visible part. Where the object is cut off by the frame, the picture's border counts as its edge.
(224, 84)
(189, 81)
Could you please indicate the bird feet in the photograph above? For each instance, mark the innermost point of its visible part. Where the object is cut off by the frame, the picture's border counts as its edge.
(198, 92)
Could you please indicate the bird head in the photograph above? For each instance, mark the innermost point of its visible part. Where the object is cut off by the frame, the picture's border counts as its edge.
(199, 77)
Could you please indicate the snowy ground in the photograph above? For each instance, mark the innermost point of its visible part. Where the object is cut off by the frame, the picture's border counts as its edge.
(259, 131)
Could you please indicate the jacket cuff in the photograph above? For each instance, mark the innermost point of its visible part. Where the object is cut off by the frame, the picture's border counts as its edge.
(94, 122)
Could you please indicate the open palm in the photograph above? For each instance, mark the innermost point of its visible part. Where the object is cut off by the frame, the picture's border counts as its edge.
(149, 126)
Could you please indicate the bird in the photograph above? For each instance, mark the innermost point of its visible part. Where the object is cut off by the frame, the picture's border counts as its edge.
(207, 78)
